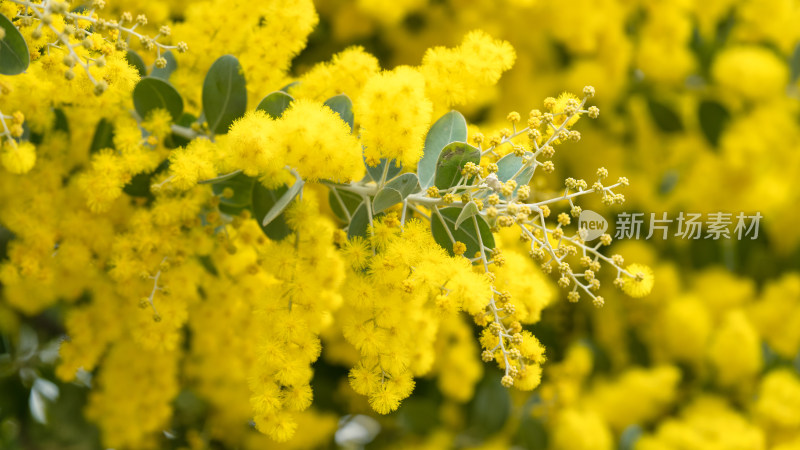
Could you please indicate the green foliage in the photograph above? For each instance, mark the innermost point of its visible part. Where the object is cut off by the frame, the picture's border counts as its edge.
(242, 198)
(350, 200)
(275, 103)
(469, 210)
(136, 62)
(343, 106)
(385, 199)
(14, 56)
(465, 233)
(665, 118)
(267, 200)
(280, 203)
(377, 172)
(452, 159)
(450, 128)
(224, 94)
(151, 93)
(491, 406)
(507, 166)
(359, 223)
(164, 72)
(103, 136)
(713, 119)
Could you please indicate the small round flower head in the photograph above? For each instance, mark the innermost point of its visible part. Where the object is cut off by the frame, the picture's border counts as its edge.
(507, 381)
(513, 117)
(598, 301)
(642, 282)
(588, 91)
(459, 248)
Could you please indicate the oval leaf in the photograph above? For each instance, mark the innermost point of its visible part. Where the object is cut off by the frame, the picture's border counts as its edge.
(451, 127)
(466, 233)
(275, 103)
(103, 136)
(164, 72)
(713, 119)
(664, 117)
(491, 406)
(224, 94)
(343, 106)
(406, 184)
(283, 202)
(14, 56)
(452, 159)
(508, 166)
(264, 201)
(358, 226)
(469, 210)
(385, 199)
(151, 93)
(136, 61)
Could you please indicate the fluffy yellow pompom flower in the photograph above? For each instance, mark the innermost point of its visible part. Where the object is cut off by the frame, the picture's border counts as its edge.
(318, 143)
(19, 158)
(642, 282)
(395, 115)
(455, 76)
(193, 163)
(346, 72)
(250, 145)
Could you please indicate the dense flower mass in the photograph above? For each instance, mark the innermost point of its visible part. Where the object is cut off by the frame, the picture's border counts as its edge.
(300, 224)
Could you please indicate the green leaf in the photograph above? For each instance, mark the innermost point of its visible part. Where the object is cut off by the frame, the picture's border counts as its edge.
(452, 159)
(151, 93)
(61, 122)
(282, 202)
(628, 438)
(406, 184)
(164, 72)
(491, 406)
(385, 199)
(451, 127)
(465, 233)
(664, 117)
(14, 56)
(351, 202)
(713, 119)
(224, 94)
(136, 61)
(376, 172)
(358, 226)
(275, 103)
(289, 86)
(264, 201)
(343, 106)
(794, 64)
(523, 178)
(508, 166)
(103, 136)
(469, 210)
(242, 198)
(532, 432)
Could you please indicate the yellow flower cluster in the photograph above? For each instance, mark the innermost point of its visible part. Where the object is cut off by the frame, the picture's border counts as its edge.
(392, 313)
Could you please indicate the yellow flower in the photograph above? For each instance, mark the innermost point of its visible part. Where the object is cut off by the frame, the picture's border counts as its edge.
(642, 282)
